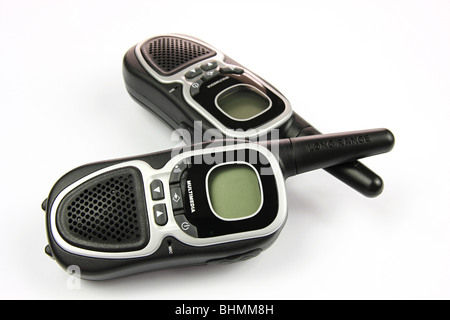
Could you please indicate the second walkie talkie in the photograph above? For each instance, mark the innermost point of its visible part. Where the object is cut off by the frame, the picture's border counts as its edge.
(184, 80)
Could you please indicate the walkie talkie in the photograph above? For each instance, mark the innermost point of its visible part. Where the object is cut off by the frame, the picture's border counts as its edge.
(185, 80)
(216, 202)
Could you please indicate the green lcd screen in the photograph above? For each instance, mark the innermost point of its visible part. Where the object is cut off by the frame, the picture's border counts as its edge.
(242, 102)
(234, 191)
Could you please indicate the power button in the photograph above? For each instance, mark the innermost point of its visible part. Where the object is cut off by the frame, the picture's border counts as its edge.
(186, 226)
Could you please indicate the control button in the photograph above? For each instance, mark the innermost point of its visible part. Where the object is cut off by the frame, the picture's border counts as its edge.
(177, 171)
(210, 74)
(44, 204)
(49, 252)
(186, 226)
(232, 70)
(195, 87)
(160, 214)
(157, 190)
(191, 74)
(176, 198)
(209, 65)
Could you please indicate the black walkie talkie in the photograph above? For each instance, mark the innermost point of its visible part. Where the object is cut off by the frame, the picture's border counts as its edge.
(184, 80)
(217, 202)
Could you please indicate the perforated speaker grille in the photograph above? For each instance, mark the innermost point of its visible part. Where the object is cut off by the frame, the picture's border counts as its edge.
(106, 213)
(168, 55)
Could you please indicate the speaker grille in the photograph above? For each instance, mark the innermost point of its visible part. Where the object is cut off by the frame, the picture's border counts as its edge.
(168, 55)
(106, 213)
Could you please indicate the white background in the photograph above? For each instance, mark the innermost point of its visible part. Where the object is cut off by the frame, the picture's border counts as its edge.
(344, 65)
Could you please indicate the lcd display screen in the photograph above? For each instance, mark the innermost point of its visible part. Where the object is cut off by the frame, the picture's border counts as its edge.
(242, 102)
(234, 191)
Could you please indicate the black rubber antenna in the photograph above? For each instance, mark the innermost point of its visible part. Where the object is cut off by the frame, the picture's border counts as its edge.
(354, 173)
(302, 154)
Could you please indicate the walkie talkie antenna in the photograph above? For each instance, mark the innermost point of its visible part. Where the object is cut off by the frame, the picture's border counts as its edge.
(354, 173)
(302, 154)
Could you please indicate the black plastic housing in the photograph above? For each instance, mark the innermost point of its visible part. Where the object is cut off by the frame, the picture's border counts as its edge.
(182, 255)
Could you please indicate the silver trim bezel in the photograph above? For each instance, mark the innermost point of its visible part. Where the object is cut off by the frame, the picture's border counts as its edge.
(186, 84)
